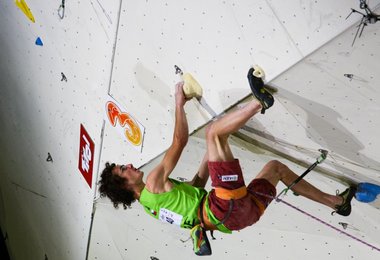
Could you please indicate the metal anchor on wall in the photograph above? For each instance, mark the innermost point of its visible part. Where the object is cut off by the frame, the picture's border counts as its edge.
(368, 18)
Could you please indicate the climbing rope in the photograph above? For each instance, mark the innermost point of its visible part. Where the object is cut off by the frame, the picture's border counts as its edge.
(320, 220)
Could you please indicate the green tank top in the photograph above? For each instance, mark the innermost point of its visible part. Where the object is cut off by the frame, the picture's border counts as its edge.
(178, 206)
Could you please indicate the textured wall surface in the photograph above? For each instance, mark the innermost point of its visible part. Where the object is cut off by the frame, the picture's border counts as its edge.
(58, 70)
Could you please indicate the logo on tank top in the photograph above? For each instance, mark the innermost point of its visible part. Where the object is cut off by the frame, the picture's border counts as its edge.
(228, 178)
(169, 216)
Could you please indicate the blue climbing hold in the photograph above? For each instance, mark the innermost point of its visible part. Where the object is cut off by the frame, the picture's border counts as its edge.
(367, 192)
(39, 42)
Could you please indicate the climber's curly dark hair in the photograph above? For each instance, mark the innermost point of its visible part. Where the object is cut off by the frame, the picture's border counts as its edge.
(113, 186)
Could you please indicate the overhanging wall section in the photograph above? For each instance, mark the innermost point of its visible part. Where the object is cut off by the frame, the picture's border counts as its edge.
(330, 100)
(216, 41)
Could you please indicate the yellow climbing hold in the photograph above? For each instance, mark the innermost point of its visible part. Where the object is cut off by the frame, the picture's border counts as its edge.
(25, 9)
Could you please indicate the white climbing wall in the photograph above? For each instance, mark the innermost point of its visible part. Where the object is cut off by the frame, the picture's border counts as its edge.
(125, 51)
(47, 204)
(334, 106)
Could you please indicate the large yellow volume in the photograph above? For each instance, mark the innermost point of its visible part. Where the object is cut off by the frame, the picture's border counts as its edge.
(191, 87)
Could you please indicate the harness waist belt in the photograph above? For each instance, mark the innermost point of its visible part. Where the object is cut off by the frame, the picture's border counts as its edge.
(236, 194)
(230, 195)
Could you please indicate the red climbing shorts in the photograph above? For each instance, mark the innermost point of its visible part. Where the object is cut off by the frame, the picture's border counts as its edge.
(246, 210)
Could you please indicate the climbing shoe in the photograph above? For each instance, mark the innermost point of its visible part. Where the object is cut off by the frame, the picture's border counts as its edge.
(344, 209)
(201, 243)
(257, 86)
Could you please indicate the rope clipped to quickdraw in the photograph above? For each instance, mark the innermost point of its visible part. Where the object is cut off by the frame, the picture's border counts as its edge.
(319, 160)
(319, 220)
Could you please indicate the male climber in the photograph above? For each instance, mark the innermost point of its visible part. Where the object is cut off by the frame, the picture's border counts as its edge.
(230, 205)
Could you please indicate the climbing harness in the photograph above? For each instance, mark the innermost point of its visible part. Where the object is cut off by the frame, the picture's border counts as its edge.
(206, 222)
(201, 244)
